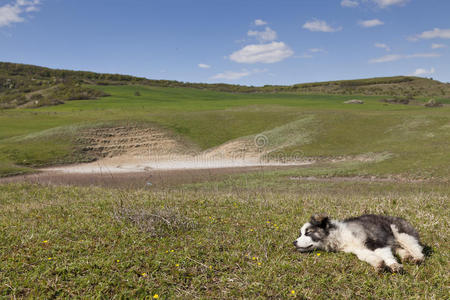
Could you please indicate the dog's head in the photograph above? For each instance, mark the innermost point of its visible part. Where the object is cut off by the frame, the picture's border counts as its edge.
(313, 234)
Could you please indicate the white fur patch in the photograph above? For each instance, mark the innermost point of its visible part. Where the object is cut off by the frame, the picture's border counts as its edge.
(409, 243)
(304, 241)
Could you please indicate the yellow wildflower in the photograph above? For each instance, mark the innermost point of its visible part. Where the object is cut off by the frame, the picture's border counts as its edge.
(155, 296)
(318, 254)
(45, 241)
(177, 265)
(292, 292)
(144, 274)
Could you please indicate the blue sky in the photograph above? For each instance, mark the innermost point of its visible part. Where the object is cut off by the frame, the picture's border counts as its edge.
(251, 42)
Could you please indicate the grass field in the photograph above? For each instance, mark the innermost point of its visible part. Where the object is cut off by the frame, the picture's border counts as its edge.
(217, 240)
(416, 138)
(230, 237)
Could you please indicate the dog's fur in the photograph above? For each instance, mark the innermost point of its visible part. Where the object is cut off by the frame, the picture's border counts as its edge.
(373, 238)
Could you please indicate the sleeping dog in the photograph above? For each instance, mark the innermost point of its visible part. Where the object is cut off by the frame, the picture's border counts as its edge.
(373, 238)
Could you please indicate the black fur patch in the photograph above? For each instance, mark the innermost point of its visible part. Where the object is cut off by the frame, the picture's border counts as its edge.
(378, 229)
(374, 244)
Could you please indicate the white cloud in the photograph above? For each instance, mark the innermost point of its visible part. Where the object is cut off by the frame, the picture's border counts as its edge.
(370, 23)
(319, 25)
(386, 3)
(421, 55)
(317, 50)
(231, 75)
(438, 46)
(10, 14)
(386, 58)
(264, 36)
(383, 46)
(422, 72)
(204, 66)
(433, 34)
(264, 53)
(349, 3)
(13, 12)
(259, 22)
(310, 52)
(394, 57)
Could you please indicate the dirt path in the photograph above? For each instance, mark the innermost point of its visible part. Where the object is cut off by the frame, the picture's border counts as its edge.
(150, 179)
(134, 164)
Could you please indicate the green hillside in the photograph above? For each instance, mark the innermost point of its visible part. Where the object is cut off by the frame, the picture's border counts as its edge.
(32, 86)
(412, 140)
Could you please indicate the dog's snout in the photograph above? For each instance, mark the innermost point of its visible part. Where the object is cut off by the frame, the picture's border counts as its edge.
(295, 243)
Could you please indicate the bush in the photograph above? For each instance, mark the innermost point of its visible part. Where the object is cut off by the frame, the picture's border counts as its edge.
(156, 222)
(36, 97)
(433, 103)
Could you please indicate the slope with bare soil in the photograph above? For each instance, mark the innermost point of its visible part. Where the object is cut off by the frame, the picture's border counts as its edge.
(133, 141)
(132, 149)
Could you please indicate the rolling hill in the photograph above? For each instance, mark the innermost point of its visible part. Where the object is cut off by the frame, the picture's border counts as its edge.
(33, 86)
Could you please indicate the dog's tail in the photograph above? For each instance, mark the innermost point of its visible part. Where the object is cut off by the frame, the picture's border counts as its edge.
(408, 242)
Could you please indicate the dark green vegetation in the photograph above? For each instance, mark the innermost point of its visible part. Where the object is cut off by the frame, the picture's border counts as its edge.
(33, 86)
(223, 240)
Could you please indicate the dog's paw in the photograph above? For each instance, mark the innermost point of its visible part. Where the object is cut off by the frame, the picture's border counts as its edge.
(396, 268)
(407, 258)
(417, 261)
(380, 267)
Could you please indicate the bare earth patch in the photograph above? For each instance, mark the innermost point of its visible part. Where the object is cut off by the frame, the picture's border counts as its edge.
(128, 150)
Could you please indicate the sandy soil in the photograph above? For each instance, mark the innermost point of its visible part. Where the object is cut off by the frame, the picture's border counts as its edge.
(152, 179)
(133, 164)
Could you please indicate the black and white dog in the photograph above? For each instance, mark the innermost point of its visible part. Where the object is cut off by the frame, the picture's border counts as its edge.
(372, 238)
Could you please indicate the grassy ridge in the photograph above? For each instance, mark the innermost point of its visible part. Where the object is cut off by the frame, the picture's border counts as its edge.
(33, 86)
(225, 240)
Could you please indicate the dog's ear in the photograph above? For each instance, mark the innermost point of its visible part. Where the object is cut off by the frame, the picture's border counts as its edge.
(320, 220)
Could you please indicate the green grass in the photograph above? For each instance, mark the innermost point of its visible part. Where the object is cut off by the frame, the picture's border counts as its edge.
(231, 238)
(224, 241)
(417, 137)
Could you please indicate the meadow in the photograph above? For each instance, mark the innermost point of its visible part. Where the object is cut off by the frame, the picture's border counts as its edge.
(217, 240)
(228, 237)
(414, 137)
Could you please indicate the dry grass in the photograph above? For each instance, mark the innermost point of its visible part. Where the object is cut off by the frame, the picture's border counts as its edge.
(73, 242)
(157, 222)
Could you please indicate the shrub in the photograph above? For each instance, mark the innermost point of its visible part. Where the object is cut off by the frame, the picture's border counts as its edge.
(155, 222)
